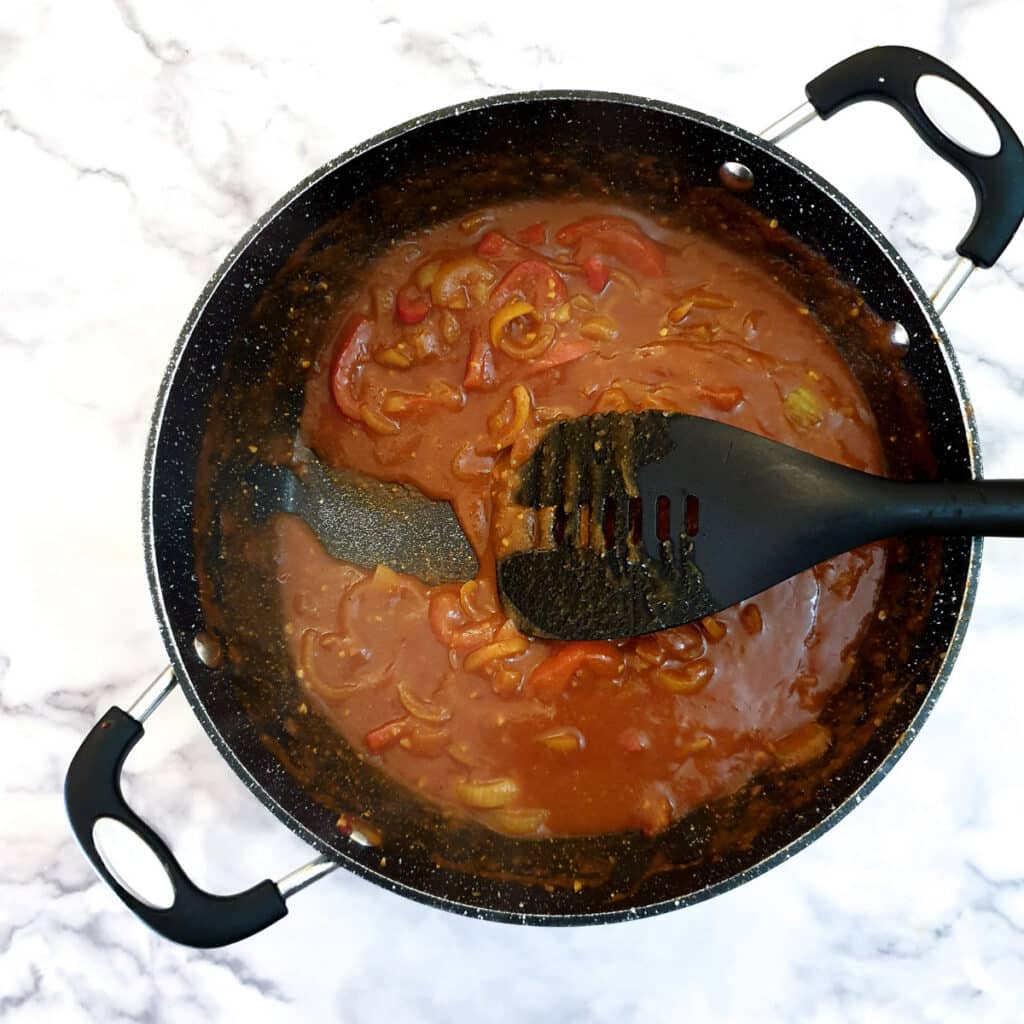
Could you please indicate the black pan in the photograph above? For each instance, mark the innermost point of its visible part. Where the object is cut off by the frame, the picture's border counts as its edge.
(235, 373)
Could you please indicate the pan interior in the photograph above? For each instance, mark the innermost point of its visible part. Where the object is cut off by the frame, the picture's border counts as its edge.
(237, 384)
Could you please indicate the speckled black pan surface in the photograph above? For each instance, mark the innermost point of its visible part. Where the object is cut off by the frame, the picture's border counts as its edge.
(431, 169)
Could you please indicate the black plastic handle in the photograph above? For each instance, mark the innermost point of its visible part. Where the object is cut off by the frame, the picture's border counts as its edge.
(92, 790)
(890, 74)
(991, 508)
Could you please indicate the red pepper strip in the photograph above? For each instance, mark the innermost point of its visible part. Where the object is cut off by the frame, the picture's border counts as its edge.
(632, 249)
(559, 354)
(555, 672)
(496, 245)
(411, 305)
(596, 273)
(614, 236)
(480, 373)
(574, 233)
(536, 281)
(351, 348)
(725, 399)
(386, 735)
(533, 234)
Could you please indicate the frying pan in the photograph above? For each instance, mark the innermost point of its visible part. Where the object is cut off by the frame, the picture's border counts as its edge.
(236, 373)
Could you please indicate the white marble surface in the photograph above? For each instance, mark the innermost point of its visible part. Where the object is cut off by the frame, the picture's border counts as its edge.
(138, 140)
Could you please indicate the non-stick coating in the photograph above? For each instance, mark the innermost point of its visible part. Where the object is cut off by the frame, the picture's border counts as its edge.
(221, 324)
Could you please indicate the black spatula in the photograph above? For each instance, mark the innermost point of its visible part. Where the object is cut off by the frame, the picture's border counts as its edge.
(660, 519)
(365, 521)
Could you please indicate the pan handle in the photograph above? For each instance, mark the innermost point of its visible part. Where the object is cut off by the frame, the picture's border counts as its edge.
(890, 74)
(92, 792)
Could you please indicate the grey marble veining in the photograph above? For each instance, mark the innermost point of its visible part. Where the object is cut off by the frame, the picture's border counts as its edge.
(138, 141)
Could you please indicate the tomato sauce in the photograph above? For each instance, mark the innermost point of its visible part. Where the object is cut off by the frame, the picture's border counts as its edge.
(461, 349)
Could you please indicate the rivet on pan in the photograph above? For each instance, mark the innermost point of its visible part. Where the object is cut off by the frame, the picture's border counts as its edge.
(208, 649)
(736, 176)
(899, 338)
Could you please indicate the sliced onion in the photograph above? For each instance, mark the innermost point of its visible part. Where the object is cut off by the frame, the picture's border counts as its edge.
(392, 357)
(493, 793)
(308, 673)
(522, 406)
(476, 635)
(426, 741)
(691, 678)
(377, 422)
(478, 599)
(420, 708)
(424, 277)
(563, 740)
(600, 328)
(519, 821)
(697, 746)
(492, 652)
(509, 312)
(711, 300)
(714, 629)
(449, 287)
(542, 342)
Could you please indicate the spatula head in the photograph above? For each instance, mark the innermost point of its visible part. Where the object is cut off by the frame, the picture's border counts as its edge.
(662, 518)
(365, 521)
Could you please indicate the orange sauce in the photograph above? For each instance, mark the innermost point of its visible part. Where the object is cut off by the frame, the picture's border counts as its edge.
(565, 309)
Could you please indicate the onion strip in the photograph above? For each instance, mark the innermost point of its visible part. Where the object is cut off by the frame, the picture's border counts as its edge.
(519, 821)
(491, 652)
(545, 339)
(309, 675)
(509, 312)
(420, 708)
(378, 423)
(494, 793)
(522, 406)
(563, 740)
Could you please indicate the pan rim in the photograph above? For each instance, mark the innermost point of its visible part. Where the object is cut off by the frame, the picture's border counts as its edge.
(149, 499)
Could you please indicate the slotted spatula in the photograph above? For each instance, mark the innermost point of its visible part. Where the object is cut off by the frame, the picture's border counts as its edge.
(362, 520)
(660, 519)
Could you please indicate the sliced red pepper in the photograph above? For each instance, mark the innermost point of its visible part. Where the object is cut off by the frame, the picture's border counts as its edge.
(562, 352)
(614, 236)
(725, 399)
(596, 273)
(411, 304)
(574, 233)
(534, 280)
(386, 735)
(480, 373)
(533, 234)
(634, 250)
(351, 349)
(495, 245)
(554, 673)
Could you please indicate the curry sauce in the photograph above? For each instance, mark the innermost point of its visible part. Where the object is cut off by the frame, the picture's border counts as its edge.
(465, 343)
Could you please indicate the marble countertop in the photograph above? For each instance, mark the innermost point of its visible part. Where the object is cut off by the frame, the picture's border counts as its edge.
(138, 141)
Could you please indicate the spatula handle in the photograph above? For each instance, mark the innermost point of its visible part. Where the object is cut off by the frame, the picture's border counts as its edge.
(993, 508)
